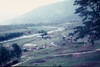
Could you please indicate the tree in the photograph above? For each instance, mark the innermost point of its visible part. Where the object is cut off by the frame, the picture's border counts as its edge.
(4, 55)
(89, 11)
(17, 51)
(43, 33)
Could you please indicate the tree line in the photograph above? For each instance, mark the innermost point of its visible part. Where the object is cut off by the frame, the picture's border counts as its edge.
(8, 36)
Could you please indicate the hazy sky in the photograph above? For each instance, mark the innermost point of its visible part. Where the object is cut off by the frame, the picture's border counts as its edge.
(13, 8)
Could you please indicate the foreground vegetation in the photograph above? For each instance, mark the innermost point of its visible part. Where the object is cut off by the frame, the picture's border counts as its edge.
(9, 54)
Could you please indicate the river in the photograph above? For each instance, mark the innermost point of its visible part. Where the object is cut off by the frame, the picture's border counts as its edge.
(33, 35)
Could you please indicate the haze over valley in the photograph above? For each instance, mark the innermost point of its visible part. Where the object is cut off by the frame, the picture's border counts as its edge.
(48, 33)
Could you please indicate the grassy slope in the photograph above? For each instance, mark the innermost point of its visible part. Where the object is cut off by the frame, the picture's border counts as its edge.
(46, 57)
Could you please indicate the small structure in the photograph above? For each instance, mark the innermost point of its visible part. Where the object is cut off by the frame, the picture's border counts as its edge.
(29, 46)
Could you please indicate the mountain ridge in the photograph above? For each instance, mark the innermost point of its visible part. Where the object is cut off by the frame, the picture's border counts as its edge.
(52, 13)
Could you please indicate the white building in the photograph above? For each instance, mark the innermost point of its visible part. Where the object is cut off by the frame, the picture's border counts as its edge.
(29, 46)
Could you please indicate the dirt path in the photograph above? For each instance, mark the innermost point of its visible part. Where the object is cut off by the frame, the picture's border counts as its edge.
(63, 35)
(52, 43)
(22, 62)
(77, 53)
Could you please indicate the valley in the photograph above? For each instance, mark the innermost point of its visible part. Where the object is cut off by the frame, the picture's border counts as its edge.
(50, 33)
(54, 51)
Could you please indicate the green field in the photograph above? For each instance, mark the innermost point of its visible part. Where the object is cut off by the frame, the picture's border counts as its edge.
(55, 57)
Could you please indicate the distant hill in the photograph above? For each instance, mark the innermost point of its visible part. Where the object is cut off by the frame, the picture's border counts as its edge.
(52, 13)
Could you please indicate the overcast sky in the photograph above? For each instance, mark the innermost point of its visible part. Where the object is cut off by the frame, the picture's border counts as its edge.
(12, 8)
